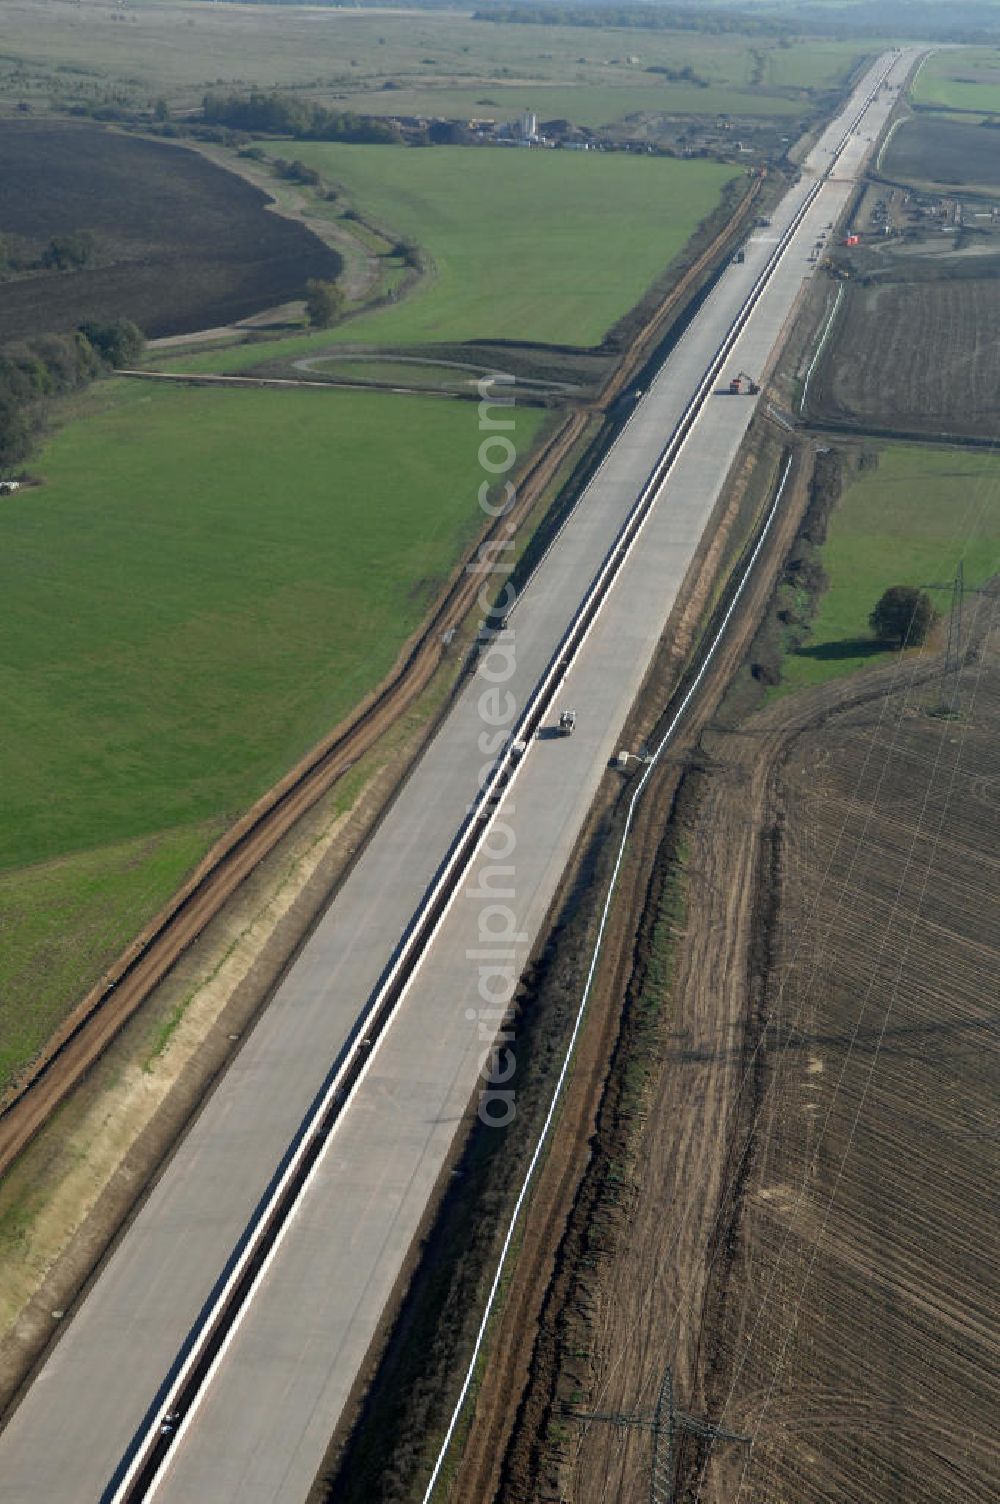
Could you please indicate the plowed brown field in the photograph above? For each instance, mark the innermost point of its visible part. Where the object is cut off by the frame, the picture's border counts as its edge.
(807, 1230)
(856, 1337)
(920, 357)
(179, 243)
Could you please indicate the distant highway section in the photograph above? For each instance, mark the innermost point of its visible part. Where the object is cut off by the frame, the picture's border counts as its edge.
(242, 1301)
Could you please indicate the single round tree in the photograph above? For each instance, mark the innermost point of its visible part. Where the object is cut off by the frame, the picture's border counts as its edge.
(119, 343)
(324, 303)
(904, 615)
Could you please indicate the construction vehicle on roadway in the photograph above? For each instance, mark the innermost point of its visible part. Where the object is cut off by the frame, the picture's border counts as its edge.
(567, 723)
(743, 385)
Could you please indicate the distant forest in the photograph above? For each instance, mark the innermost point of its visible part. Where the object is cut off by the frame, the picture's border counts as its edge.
(970, 21)
(977, 21)
(633, 17)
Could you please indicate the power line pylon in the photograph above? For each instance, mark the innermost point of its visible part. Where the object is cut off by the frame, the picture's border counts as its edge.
(953, 650)
(665, 1421)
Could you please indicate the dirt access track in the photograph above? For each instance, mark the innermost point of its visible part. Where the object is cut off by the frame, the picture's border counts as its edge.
(129, 981)
(796, 1224)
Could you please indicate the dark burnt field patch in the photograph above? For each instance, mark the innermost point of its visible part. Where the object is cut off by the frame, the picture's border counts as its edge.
(178, 243)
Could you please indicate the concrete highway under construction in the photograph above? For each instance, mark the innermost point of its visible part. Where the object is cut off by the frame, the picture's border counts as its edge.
(244, 1298)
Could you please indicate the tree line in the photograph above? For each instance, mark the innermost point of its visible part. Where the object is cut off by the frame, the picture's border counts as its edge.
(973, 21)
(633, 17)
(685, 75)
(271, 113)
(68, 252)
(51, 365)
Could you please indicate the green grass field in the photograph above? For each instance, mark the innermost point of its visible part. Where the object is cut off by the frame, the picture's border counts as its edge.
(591, 104)
(207, 582)
(177, 48)
(63, 921)
(907, 523)
(960, 80)
(813, 63)
(525, 245)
